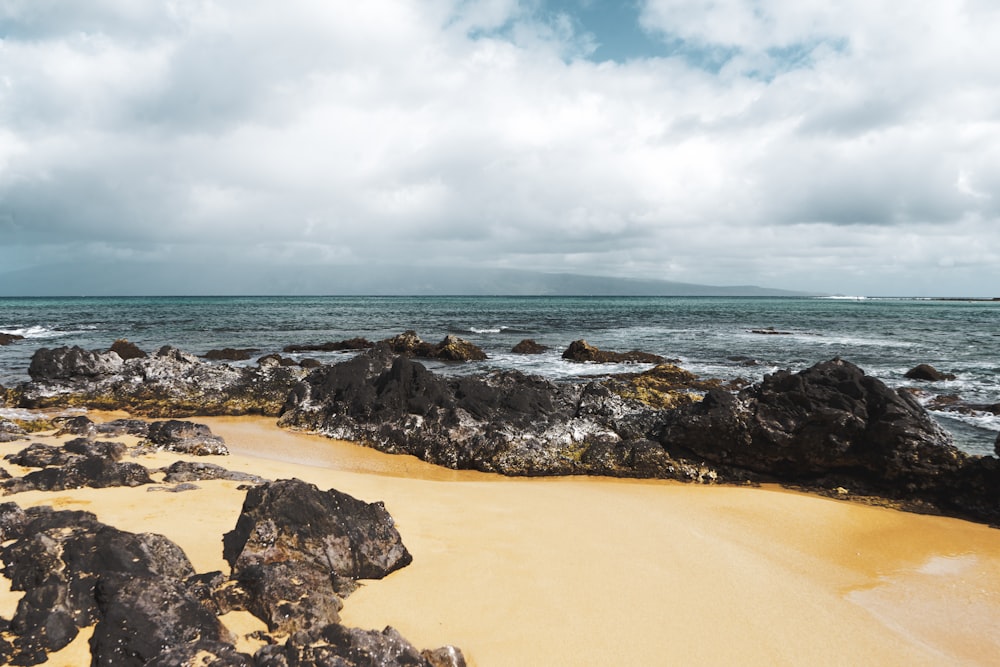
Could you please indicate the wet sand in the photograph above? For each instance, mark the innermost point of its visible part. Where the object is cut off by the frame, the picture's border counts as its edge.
(596, 571)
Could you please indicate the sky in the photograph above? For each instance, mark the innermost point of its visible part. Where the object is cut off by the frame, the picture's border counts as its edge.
(847, 146)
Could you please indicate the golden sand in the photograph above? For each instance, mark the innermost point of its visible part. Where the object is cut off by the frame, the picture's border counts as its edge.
(596, 571)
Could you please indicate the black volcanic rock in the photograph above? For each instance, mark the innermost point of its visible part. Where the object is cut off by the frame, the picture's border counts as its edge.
(230, 354)
(297, 550)
(340, 346)
(127, 350)
(825, 427)
(67, 363)
(582, 351)
(168, 383)
(79, 425)
(290, 520)
(81, 471)
(927, 373)
(142, 617)
(100, 448)
(196, 471)
(830, 418)
(336, 645)
(503, 422)
(38, 455)
(9, 431)
(8, 338)
(182, 436)
(451, 348)
(528, 346)
(58, 558)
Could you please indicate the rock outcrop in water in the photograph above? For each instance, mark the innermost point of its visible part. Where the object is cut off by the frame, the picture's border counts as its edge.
(168, 383)
(582, 351)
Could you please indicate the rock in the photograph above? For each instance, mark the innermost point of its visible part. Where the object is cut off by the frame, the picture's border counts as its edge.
(292, 521)
(503, 422)
(770, 331)
(186, 437)
(168, 383)
(528, 346)
(276, 360)
(195, 471)
(73, 362)
(451, 348)
(10, 432)
(290, 596)
(12, 522)
(38, 455)
(79, 425)
(202, 652)
(664, 386)
(828, 419)
(310, 363)
(136, 427)
(148, 619)
(582, 351)
(8, 338)
(927, 373)
(80, 471)
(230, 354)
(349, 647)
(58, 558)
(446, 656)
(113, 451)
(350, 344)
(127, 350)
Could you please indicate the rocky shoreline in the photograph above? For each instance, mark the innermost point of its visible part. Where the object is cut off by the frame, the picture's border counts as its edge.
(295, 553)
(829, 429)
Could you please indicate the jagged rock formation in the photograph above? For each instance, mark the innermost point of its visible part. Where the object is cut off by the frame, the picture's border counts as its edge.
(169, 383)
(296, 551)
(829, 426)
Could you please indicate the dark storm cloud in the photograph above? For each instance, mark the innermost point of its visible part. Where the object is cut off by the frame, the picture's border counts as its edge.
(840, 148)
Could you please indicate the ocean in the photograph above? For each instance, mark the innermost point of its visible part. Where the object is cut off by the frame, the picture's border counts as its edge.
(711, 336)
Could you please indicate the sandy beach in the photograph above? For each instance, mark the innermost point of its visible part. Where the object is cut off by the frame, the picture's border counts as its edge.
(596, 571)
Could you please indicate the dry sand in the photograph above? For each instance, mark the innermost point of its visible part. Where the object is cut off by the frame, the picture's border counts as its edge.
(594, 571)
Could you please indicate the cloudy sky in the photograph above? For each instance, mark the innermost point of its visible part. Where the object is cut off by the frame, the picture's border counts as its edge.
(847, 146)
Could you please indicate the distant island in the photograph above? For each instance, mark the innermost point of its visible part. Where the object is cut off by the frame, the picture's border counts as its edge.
(119, 278)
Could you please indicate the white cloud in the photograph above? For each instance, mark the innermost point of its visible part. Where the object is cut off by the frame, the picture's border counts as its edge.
(837, 144)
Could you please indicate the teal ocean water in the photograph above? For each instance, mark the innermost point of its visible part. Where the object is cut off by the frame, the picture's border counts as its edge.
(713, 337)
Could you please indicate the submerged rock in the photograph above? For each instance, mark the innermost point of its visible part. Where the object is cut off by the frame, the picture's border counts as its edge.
(230, 354)
(927, 373)
(528, 346)
(8, 338)
(582, 351)
(340, 346)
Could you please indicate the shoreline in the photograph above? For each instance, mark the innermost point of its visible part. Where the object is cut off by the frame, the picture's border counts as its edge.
(592, 570)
